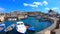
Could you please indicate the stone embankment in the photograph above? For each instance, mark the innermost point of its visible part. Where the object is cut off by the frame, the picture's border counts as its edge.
(53, 26)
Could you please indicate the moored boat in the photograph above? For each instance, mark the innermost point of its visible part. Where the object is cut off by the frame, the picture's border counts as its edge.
(2, 27)
(20, 27)
(9, 28)
(30, 28)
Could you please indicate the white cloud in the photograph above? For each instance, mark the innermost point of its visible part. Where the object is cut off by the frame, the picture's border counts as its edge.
(33, 5)
(2, 9)
(25, 4)
(36, 4)
(45, 3)
(47, 8)
(54, 8)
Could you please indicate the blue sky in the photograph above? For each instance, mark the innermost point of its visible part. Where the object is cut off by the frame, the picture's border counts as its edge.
(29, 5)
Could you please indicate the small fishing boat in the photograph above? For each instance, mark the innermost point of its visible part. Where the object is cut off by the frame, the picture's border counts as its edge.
(30, 28)
(9, 28)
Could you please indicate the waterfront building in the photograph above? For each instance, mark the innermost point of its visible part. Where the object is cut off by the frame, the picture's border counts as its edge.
(19, 13)
(58, 16)
(22, 17)
(2, 18)
(31, 14)
(35, 13)
(22, 13)
(52, 13)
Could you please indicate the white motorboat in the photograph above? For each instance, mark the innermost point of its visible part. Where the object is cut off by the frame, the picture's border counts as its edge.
(21, 27)
(2, 27)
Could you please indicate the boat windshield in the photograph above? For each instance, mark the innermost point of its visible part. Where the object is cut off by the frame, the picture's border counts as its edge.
(20, 24)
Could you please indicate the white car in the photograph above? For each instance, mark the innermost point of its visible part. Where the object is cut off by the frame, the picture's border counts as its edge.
(21, 27)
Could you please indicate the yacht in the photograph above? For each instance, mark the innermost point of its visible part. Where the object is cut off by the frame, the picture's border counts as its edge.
(20, 27)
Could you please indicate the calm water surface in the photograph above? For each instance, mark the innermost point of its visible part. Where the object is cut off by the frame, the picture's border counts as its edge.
(38, 25)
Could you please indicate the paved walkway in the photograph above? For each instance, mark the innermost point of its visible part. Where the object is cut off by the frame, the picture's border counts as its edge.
(51, 27)
(57, 31)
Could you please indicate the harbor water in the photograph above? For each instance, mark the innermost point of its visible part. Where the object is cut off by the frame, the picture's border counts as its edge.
(38, 25)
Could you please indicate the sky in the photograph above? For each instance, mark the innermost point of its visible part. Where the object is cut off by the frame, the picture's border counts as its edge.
(29, 5)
